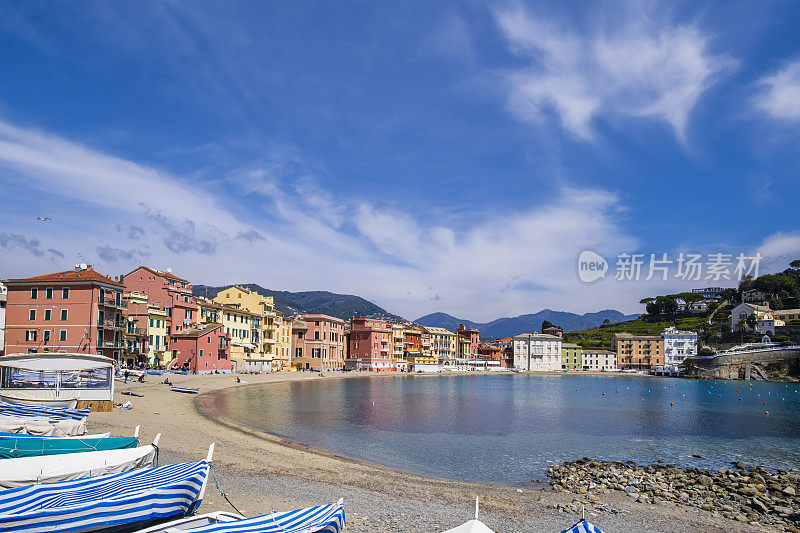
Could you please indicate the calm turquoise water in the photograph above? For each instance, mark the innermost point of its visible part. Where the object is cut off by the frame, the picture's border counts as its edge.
(506, 429)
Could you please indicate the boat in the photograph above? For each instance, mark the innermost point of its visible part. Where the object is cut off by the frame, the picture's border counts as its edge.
(6, 435)
(62, 402)
(39, 411)
(183, 524)
(472, 526)
(33, 446)
(46, 378)
(42, 426)
(71, 466)
(322, 518)
(119, 502)
(583, 527)
(187, 390)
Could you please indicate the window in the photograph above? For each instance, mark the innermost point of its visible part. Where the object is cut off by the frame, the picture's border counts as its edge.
(48, 293)
(47, 313)
(65, 293)
(63, 315)
(150, 339)
(30, 335)
(62, 335)
(46, 335)
(151, 322)
(34, 293)
(209, 340)
(32, 314)
(201, 353)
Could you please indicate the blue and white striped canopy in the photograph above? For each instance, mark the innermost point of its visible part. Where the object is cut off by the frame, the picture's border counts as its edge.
(583, 527)
(34, 411)
(87, 504)
(323, 518)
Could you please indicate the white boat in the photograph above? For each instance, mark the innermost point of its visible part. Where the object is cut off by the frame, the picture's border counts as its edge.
(20, 398)
(322, 518)
(42, 427)
(117, 502)
(67, 467)
(59, 377)
(193, 521)
(471, 526)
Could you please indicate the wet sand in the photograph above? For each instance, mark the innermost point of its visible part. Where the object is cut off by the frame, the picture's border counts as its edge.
(261, 473)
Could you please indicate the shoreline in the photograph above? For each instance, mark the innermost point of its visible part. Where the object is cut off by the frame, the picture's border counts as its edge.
(261, 473)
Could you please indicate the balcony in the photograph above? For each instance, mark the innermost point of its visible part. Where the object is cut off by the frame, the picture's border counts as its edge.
(269, 340)
(112, 325)
(112, 302)
(111, 344)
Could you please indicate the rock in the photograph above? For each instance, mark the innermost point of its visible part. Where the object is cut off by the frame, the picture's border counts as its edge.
(758, 505)
(705, 480)
(789, 491)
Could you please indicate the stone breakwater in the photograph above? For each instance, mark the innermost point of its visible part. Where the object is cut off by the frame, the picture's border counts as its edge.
(752, 495)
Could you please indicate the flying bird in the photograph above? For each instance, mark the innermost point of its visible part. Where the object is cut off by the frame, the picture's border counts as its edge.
(44, 219)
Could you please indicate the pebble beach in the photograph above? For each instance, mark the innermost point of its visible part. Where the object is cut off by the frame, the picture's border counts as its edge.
(260, 473)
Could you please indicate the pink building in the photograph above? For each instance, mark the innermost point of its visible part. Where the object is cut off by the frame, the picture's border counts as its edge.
(202, 349)
(371, 344)
(78, 311)
(165, 290)
(317, 342)
(473, 335)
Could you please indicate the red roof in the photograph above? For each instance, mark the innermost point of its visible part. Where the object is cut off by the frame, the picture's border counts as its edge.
(158, 273)
(198, 331)
(85, 275)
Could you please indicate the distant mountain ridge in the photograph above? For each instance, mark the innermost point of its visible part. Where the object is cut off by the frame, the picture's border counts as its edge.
(507, 327)
(342, 306)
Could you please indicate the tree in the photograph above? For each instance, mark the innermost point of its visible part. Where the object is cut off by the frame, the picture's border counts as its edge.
(547, 324)
(730, 295)
(606, 322)
(646, 301)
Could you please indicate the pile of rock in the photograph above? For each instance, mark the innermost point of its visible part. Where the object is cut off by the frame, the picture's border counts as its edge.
(742, 493)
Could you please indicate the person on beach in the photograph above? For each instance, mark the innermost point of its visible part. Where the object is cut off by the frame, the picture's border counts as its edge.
(126, 375)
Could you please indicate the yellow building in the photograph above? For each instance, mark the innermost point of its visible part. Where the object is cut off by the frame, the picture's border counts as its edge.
(264, 306)
(443, 345)
(149, 322)
(282, 360)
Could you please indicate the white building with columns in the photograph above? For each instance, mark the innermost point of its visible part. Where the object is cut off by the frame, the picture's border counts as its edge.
(678, 345)
(535, 352)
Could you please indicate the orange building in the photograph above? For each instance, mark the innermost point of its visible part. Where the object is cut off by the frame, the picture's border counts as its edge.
(75, 311)
(638, 352)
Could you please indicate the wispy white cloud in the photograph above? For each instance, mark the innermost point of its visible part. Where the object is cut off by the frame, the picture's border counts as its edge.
(779, 94)
(638, 67)
(497, 264)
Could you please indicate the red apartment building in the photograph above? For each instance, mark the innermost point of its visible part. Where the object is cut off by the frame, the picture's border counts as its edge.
(491, 352)
(76, 310)
(317, 342)
(473, 335)
(371, 344)
(165, 290)
(202, 349)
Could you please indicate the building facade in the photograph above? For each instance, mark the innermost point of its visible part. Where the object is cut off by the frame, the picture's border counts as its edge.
(3, 297)
(638, 352)
(165, 290)
(203, 349)
(398, 348)
(282, 360)
(747, 312)
(318, 342)
(474, 338)
(244, 330)
(599, 360)
(571, 356)
(371, 344)
(261, 358)
(678, 345)
(78, 311)
(443, 345)
(536, 352)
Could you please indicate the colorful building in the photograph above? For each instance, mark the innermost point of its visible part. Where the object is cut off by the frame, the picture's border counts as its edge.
(474, 337)
(491, 352)
(203, 349)
(398, 348)
(371, 344)
(261, 359)
(75, 311)
(318, 342)
(165, 290)
(415, 353)
(570, 356)
(282, 360)
(147, 332)
(443, 345)
(3, 298)
(678, 345)
(638, 352)
(244, 330)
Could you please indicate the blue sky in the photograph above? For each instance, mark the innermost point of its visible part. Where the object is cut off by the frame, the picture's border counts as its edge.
(437, 156)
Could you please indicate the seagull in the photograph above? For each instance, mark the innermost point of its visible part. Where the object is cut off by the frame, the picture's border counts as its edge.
(44, 219)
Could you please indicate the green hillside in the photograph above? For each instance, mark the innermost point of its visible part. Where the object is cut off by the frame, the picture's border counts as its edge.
(600, 337)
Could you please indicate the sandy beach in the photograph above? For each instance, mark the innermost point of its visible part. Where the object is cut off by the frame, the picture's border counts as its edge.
(260, 473)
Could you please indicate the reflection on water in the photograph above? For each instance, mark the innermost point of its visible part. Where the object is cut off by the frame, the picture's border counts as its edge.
(506, 428)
